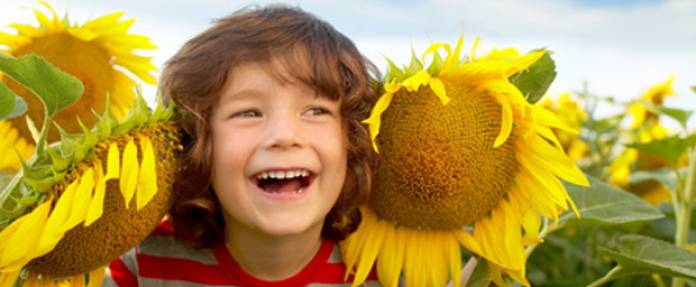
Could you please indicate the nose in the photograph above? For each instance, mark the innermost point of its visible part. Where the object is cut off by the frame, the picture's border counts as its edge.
(283, 132)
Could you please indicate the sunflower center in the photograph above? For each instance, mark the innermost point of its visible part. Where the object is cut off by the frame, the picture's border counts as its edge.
(438, 168)
(87, 61)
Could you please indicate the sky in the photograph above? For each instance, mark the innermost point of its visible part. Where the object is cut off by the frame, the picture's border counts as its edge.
(619, 48)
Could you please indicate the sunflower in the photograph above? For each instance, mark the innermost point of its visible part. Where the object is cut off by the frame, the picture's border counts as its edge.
(464, 159)
(100, 53)
(644, 127)
(97, 194)
(569, 111)
(655, 95)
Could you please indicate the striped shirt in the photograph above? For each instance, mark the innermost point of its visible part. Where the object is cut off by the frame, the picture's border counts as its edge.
(162, 260)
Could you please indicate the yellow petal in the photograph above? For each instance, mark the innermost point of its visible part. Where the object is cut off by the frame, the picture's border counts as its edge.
(96, 206)
(105, 21)
(21, 242)
(434, 48)
(83, 197)
(55, 225)
(391, 257)
(452, 60)
(439, 89)
(96, 276)
(455, 263)
(374, 121)
(83, 34)
(472, 54)
(113, 164)
(414, 82)
(506, 120)
(8, 278)
(369, 252)
(129, 172)
(549, 119)
(147, 179)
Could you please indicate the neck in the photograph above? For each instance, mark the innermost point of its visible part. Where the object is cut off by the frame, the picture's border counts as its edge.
(271, 257)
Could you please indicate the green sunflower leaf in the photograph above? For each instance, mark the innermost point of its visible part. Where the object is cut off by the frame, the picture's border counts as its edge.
(603, 204)
(637, 254)
(671, 148)
(693, 88)
(663, 175)
(682, 116)
(11, 105)
(56, 89)
(535, 81)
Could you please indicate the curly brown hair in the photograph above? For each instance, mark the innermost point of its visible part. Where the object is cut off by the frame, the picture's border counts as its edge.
(195, 76)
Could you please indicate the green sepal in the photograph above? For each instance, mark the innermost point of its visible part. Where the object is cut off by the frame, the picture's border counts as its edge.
(89, 139)
(59, 161)
(415, 66)
(536, 80)
(394, 74)
(168, 113)
(136, 117)
(156, 115)
(27, 198)
(436, 65)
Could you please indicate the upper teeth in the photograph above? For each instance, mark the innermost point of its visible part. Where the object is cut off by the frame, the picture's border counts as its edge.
(282, 174)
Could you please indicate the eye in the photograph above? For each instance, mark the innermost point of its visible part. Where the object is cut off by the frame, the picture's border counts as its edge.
(251, 113)
(317, 111)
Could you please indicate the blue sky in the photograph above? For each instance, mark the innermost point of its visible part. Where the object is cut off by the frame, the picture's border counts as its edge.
(619, 47)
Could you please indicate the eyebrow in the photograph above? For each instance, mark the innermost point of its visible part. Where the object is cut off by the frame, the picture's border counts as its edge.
(245, 93)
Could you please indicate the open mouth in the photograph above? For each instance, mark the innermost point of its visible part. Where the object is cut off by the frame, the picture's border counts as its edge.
(288, 181)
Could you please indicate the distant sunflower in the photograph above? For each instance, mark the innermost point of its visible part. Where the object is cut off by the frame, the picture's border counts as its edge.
(464, 159)
(97, 52)
(644, 127)
(572, 114)
(655, 95)
(97, 194)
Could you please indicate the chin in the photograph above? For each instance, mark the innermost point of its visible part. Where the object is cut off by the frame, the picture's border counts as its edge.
(288, 227)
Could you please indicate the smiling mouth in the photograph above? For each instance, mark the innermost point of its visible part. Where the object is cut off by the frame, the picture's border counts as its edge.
(293, 181)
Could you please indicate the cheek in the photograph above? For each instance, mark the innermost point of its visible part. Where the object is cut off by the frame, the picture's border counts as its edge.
(229, 155)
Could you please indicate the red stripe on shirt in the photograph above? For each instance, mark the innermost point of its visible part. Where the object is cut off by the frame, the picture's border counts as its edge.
(168, 268)
(121, 274)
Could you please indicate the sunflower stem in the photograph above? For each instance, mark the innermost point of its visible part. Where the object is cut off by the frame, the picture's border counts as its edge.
(683, 214)
(606, 278)
(41, 142)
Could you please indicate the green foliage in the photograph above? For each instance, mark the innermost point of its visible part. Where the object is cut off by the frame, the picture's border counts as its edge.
(535, 81)
(11, 105)
(671, 148)
(602, 204)
(682, 116)
(637, 254)
(56, 89)
(481, 276)
(663, 175)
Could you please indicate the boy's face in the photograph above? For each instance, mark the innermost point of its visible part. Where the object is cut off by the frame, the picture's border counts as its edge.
(279, 153)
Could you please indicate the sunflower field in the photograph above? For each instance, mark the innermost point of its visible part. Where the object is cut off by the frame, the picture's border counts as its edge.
(514, 186)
